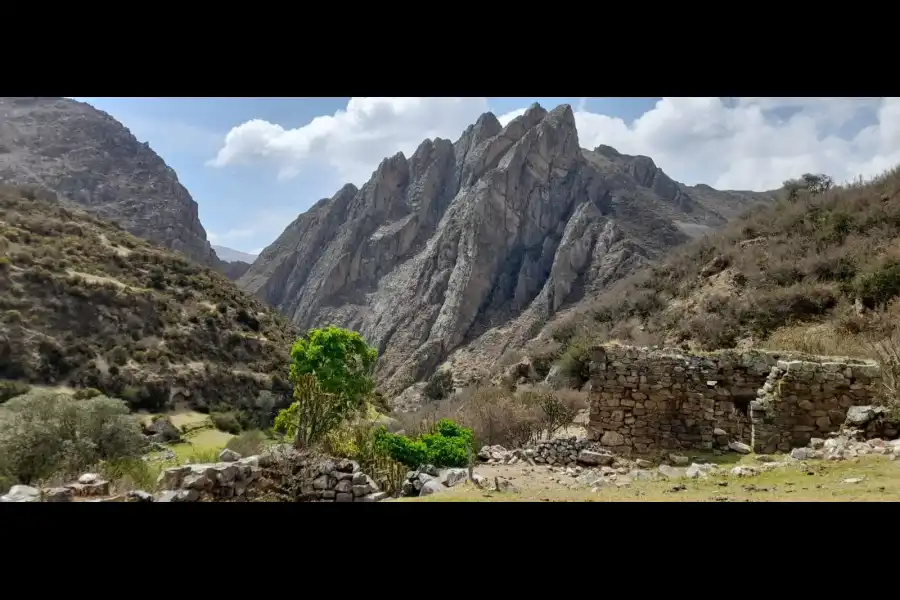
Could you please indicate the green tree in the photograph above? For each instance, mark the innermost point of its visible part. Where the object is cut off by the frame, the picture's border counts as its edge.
(331, 370)
(341, 361)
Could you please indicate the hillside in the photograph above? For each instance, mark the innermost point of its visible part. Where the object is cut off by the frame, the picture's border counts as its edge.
(85, 304)
(817, 274)
(471, 246)
(91, 160)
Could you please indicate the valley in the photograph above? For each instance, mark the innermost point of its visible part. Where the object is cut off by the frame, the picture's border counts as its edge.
(466, 295)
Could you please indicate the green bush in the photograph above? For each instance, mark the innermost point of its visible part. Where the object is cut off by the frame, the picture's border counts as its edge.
(45, 433)
(226, 421)
(446, 446)
(411, 453)
(880, 287)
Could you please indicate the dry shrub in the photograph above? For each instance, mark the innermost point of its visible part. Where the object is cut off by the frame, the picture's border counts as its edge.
(497, 415)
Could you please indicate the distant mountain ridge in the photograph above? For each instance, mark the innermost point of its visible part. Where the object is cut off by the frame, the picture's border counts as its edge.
(232, 255)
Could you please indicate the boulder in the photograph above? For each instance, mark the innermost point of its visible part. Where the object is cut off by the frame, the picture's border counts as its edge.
(432, 486)
(589, 457)
(21, 493)
(452, 477)
(228, 455)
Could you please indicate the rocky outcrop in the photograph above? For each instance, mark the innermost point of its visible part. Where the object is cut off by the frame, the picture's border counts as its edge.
(473, 244)
(90, 159)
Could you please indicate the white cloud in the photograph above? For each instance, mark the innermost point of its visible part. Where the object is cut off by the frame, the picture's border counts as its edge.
(734, 143)
(747, 144)
(353, 140)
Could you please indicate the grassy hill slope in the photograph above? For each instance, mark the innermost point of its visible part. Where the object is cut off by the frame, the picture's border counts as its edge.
(815, 273)
(85, 304)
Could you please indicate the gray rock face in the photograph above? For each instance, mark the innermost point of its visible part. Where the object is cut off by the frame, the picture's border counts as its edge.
(88, 158)
(502, 228)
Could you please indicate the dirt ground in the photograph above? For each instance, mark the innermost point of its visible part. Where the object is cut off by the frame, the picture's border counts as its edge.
(869, 478)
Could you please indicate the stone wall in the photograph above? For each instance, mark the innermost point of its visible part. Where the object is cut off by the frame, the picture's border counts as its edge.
(648, 400)
(801, 400)
(303, 477)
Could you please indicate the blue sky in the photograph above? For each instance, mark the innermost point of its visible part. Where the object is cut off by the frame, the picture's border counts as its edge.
(253, 164)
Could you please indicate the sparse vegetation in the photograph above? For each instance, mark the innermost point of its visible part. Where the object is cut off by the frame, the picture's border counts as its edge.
(87, 305)
(497, 415)
(819, 256)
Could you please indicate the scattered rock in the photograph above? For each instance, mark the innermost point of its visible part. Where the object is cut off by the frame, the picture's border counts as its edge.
(501, 484)
(228, 455)
(800, 454)
(852, 480)
(140, 496)
(743, 471)
(699, 471)
(670, 472)
(740, 447)
(679, 460)
(643, 463)
(589, 457)
(432, 486)
(860, 415)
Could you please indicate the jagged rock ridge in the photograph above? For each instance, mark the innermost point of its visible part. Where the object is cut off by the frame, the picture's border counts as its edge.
(496, 231)
(90, 159)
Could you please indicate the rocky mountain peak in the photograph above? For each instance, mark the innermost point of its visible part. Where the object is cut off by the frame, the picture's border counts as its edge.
(90, 159)
(466, 249)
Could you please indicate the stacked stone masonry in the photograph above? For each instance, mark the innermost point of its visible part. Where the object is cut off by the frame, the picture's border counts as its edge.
(648, 400)
(801, 400)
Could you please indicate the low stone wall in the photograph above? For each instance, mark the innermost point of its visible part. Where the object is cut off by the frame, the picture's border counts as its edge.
(281, 472)
(646, 400)
(801, 400)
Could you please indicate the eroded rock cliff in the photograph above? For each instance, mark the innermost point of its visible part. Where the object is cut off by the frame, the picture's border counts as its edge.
(89, 158)
(475, 243)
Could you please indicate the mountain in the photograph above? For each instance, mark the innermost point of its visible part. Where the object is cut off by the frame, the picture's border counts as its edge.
(88, 158)
(818, 273)
(83, 303)
(467, 248)
(231, 255)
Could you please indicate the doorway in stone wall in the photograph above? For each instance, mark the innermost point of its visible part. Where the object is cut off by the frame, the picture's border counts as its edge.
(741, 415)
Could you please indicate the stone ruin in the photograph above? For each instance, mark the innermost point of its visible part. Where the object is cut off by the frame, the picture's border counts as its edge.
(645, 401)
(310, 477)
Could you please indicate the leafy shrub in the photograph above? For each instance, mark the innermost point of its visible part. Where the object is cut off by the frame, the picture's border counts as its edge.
(404, 450)
(248, 443)
(226, 421)
(880, 287)
(44, 433)
(447, 445)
